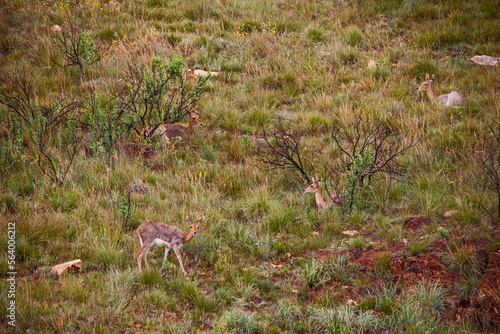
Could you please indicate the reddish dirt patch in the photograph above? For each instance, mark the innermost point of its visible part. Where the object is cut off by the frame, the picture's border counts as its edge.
(158, 168)
(414, 223)
(323, 255)
(134, 150)
(398, 248)
(439, 246)
(484, 312)
(366, 258)
(491, 278)
(148, 153)
(478, 243)
(415, 268)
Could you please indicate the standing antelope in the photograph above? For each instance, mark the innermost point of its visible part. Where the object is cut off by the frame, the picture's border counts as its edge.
(168, 131)
(453, 99)
(157, 233)
(323, 204)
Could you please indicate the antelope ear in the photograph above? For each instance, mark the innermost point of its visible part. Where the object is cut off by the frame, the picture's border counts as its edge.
(201, 220)
(313, 179)
(432, 78)
(427, 76)
(189, 220)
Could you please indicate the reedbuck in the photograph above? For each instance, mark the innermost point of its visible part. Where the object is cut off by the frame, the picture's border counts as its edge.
(453, 99)
(323, 204)
(157, 233)
(168, 131)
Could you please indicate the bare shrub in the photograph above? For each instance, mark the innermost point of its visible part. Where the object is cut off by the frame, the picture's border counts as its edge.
(102, 122)
(283, 151)
(76, 47)
(487, 164)
(50, 126)
(369, 149)
(156, 94)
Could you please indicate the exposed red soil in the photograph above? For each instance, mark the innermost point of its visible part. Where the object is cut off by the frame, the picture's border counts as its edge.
(158, 168)
(478, 243)
(484, 312)
(439, 246)
(483, 309)
(323, 255)
(134, 150)
(415, 268)
(365, 257)
(398, 248)
(414, 223)
(491, 278)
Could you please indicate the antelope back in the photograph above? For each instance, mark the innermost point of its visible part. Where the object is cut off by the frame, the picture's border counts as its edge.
(152, 230)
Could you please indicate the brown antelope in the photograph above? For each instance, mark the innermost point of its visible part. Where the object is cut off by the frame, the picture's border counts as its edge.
(157, 233)
(176, 131)
(453, 99)
(323, 204)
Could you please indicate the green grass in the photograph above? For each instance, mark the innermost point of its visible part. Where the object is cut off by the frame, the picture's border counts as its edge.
(265, 260)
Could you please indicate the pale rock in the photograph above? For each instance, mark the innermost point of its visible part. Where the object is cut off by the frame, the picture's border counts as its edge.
(448, 214)
(372, 65)
(486, 60)
(56, 28)
(74, 266)
(201, 73)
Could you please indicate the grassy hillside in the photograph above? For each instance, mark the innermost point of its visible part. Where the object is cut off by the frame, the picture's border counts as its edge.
(79, 173)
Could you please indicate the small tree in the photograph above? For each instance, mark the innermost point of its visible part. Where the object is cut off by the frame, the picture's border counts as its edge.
(76, 47)
(50, 126)
(102, 121)
(155, 94)
(487, 160)
(283, 151)
(369, 149)
(354, 175)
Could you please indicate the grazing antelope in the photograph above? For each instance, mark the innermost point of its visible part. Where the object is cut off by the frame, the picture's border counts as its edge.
(157, 233)
(323, 204)
(168, 131)
(453, 99)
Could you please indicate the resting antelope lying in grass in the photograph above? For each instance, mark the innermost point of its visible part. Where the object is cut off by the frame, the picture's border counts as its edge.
(157, 233)
(453, 99)
(323, 204)
(176, 131)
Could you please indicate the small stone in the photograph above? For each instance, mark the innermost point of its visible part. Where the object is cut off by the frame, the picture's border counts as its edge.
(448, 214)
(372, 64)
(73, 266)
(56, 28)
